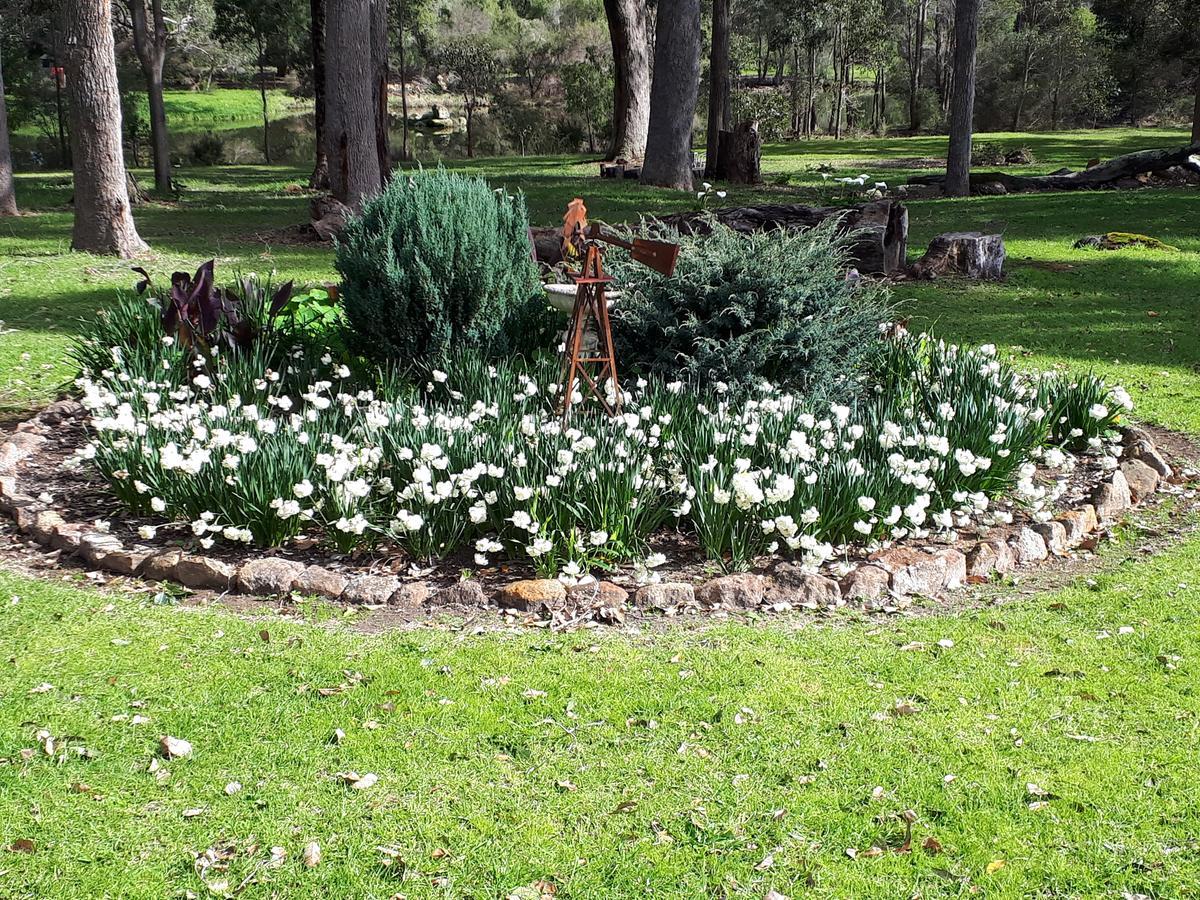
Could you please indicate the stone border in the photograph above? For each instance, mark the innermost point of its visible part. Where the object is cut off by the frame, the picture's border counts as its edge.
(886, 581)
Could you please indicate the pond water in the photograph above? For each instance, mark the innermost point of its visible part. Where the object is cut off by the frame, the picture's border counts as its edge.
(291, 139)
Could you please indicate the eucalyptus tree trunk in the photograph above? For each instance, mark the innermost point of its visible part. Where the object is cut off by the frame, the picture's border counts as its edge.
(673, 94)
(720, 112)
(379, 86)
(1196, 115)
(629, 32)
(8, 194)
(350, 140)
(319, 180)
(962, 98)
(916, 59)
(150, 43)
(103, 219)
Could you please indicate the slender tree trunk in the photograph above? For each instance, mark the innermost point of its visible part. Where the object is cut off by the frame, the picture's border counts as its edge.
(962, 98)
(403, 86)
(262, 93)
(720, 114)
(917, 57)
(1026, 65)
(673, 94)
(810, 110)
(150, 44)
(350, 111)
(319, 180)
(629, 31)
(470, 131)
(64, 147)
(379, 86)
(8, 194)
(103, 220)
(1196, 115)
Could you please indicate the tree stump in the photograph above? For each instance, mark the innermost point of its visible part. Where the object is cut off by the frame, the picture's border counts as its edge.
(739, 153)
(966, 253)
(329, 216)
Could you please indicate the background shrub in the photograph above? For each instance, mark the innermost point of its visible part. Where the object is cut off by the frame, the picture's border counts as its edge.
(439, 262)
(741, 308)
(208, 150)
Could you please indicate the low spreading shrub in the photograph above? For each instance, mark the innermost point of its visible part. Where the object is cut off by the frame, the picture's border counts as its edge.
(260, 445)
(741, 308)
(208, 150)
(437, 263)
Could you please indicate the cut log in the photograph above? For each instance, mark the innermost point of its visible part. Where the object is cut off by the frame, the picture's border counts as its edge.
(329, 216)
(880, 244)
(966, 253)
(739, 153)
(1117, 172)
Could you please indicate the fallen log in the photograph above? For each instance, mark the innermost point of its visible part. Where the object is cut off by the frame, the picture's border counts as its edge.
(1105, 174)
(879, 247)
(966, 253)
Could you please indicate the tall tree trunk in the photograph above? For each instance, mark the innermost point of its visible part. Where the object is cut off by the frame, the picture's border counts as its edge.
(349, 98)
(917, 57)
(1196, 115)
(8, 194)
(673, 94)
(629, 32)
(403, 85)
(103, 220)
(810, 111)
(720, 114)
(319, 180)
(262, 93)
(379, 86)
(962, 98)
(150, 44)
(1026, 66)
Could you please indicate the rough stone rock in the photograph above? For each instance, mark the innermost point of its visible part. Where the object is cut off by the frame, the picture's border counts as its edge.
(1112, 497)
(1055, 536)
(989, 557)
(599, 593)
(412, 595)
(1078, 524)
(27, 442)
(60, 411)
(911, 571)
(792, 585)
(664, 596)
(315, 580)
(1141, 478)
(1156, 461)
(865, 583)
(44, 523)
(462, 593)
(268, 576)
(531, 594)
(204, 572)
(161, 566)
(96, 546)
(371, 590)
(67, 536)
(124, 562)
(1131, 435)
(741, 591)
(25, 515)
(956, 567)
(1028, 547)
(8, 486)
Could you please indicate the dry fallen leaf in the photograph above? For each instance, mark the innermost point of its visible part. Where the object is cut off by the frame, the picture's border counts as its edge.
(22, 845)
(173, 747)
(233, 787)
(193, 812)
(932, 845)
(995, 866)
(358, 782)
(775, 895)
(312, 854)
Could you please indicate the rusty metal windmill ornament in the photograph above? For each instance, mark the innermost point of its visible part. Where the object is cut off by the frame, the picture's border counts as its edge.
(589, 368)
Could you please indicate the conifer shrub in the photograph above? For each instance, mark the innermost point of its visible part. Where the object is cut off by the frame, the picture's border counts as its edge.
(743, 308)
(436, 263)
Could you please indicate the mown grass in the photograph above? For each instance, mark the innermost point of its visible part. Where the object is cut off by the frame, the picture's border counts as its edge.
(495, 789)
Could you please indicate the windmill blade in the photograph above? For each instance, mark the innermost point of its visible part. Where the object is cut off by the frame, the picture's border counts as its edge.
(657, 255)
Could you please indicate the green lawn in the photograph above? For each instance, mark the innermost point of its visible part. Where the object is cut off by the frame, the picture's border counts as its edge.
(665, 765)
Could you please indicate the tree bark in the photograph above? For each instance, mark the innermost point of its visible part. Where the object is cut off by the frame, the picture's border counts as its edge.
(629, 32)
(379, 86)
(319, 180)
(103, 220)
(962, 98)
(8, 194)
(262, 93)
(1196, 115)
(1026, 66)
(673, 95)
(150, 44)
(720, 114)
(350, 139)
(917, 57)
(403, 85)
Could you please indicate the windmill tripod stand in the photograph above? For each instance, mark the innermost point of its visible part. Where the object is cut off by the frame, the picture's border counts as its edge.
(587, 369)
